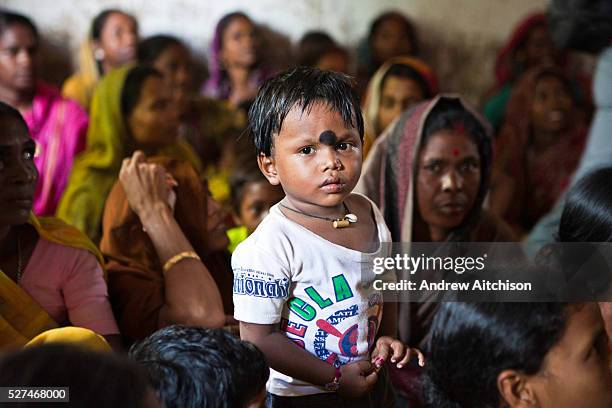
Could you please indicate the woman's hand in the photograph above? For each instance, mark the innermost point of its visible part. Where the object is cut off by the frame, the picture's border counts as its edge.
(398, 352)
(147, 186)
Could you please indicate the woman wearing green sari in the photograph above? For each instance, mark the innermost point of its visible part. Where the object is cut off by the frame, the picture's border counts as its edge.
(131, 110)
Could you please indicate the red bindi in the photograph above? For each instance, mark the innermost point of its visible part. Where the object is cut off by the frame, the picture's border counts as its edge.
(455, 152)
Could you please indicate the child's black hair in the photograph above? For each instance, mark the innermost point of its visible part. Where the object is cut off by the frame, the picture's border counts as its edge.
(471, 343)
(301, 87)
(198, 367)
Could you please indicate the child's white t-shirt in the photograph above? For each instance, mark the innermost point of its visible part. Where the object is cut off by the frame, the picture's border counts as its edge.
(286, 274)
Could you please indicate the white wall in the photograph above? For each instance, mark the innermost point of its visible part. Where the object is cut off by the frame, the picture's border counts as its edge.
(459, 37)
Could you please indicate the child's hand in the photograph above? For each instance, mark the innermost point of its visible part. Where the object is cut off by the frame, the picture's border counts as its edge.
(388, 347)
(357, 379)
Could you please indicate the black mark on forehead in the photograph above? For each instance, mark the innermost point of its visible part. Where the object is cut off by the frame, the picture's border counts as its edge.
(328, 137)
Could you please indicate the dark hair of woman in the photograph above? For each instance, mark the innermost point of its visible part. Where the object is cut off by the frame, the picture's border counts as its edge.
(471, 343)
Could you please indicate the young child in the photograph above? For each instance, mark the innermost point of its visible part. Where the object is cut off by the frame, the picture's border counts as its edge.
(298, 288)
(251, 197)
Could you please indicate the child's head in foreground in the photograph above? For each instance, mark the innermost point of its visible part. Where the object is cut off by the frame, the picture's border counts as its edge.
(197, 367)
(518, 355)
(308, 131)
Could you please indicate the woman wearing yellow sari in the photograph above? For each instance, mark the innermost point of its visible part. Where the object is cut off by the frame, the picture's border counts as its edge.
(131, 109)
(50, 273)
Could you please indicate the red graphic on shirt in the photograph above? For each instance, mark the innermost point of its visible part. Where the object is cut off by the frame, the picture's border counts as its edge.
(348, 340)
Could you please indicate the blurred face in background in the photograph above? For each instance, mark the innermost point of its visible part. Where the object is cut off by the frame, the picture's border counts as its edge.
(391, 40)
(118, 40)
(551, 107)
(397, 94)
(18, 58)
(154, 120)
(539, 48)
(175, 64)
(239, 44)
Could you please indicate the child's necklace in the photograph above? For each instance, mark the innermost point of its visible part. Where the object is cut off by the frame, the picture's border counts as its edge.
(344, 222)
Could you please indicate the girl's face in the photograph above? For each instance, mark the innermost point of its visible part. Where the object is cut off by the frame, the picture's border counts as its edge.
(576, 371)
(154, 120)
(448, 179)
(239, 44)
(391, 40)
(552, 105)
(257, 199)
(18, 57)
(397, 95)
(118, 39)
(175, 65)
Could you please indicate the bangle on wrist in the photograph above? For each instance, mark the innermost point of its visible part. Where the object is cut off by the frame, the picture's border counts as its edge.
(335, 383)
(178, 258)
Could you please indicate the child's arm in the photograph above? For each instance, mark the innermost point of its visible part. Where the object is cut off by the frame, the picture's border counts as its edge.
(288, 358)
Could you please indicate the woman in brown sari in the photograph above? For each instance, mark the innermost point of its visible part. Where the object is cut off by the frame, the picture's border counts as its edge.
(166, 249)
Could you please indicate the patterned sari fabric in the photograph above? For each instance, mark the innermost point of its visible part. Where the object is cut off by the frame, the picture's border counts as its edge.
(108, 143)
(59, 128)
(21, 318)
(537, 178)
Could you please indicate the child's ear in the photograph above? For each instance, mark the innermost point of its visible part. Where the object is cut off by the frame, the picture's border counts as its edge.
(515, 390)
(267, 165)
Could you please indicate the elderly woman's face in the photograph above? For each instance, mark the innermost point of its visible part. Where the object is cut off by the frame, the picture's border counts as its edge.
(154, 120)
(576, 371)
(18, 174)
(448, 179)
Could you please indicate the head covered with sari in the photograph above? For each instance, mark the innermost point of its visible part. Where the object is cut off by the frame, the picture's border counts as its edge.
(389, 173)
(136, 282)
(109, 141)
(538, 177)
(420, 72)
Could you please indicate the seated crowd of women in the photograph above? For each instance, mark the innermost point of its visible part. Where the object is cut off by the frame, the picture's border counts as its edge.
(134, 161)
